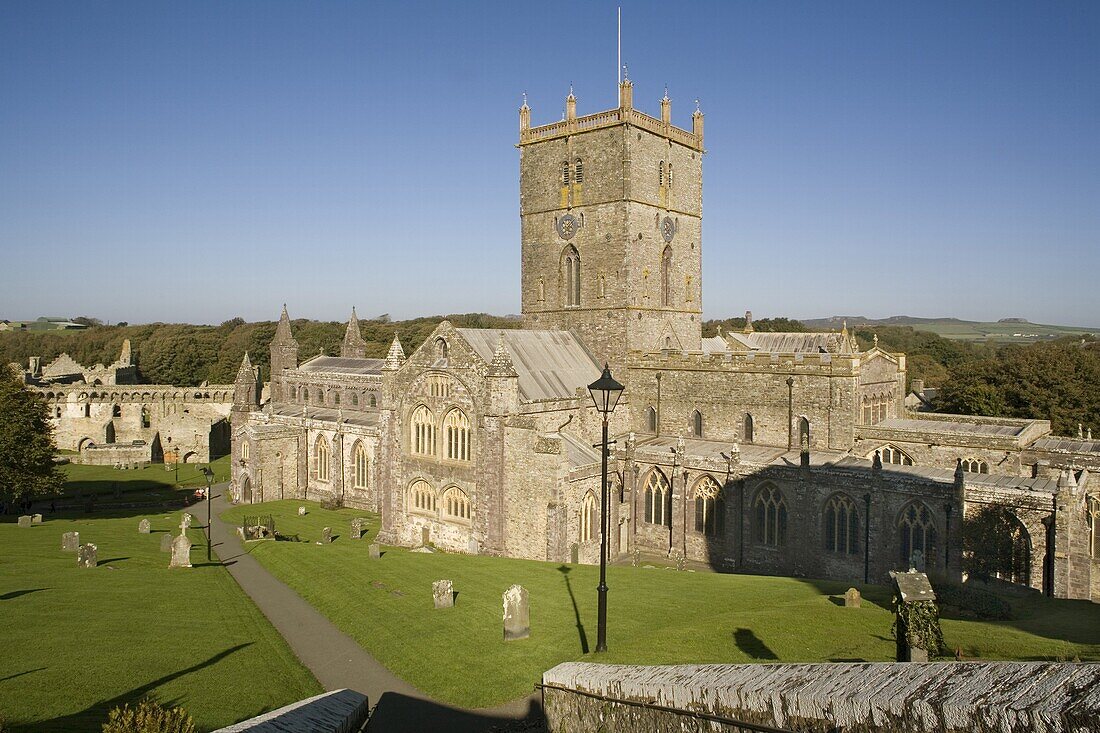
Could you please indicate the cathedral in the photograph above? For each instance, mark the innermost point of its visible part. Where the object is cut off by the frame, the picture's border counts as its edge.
(775, 453)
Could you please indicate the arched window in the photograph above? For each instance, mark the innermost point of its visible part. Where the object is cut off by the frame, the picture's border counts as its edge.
(456, 505)
(770, 517)
(590, 513)
(578, 171)
(144, 416)
(866, 411)
(441, 348)
(747, 429)
(244, 450)
(661, 174)
(997, 545)
(116, 411)
(571, 275)
(841, 525)
(355, 399)
(456, 433)
(565, 173)
(666, 275)
(421, 497)
(917, 534)
(422, 437)
(670, 174)
(658, 509)
(710, 509)
(892, 454)
(804, 432)
(651, 419)
(373, 400)
(697, 424)
(359, 460)
(57, 413)
(87, 410)
(975, 465)
(320, 458)
(336, 398)
(305, 395)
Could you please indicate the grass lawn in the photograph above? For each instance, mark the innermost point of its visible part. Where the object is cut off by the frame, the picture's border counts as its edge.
(151, 483)
(77, 642)
(655, 616)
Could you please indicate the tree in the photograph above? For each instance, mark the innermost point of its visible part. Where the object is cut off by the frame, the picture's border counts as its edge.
(88, 321)
(996, 545)
(26, 443)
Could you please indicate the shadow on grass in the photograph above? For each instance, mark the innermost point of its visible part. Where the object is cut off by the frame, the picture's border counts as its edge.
(95, 715)
(749, 643)
(397, 713)
(565, 570)
(113, 559)
(20, 674)
(16, 593)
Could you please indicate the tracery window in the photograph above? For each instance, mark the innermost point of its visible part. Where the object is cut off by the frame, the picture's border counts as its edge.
(422, 437)
(770, 517)
(590, 513)
(421, 497)
(456, 433)
(841, 525)
(975, 465)
(571, 264)
(666, 276)
(456, 504)
(320, 458)
(893, 454)
(359, 460)
(917, 533)
(373, 400)
(439, 386)
(710, 508)
(658, 509)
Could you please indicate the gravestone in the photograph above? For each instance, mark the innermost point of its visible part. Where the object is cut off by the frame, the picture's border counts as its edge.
(166, 542)
(301, 511)
(356, 528)
(443, 593)
(36, 519)
(574, 553)
(143, 526)
(181, 552)
(326, 535)
(517, 614)
(86, 556)
(852, 598)
(25, 520)
(185, 522)
(375, 551)
(70, 542)
(912, 592)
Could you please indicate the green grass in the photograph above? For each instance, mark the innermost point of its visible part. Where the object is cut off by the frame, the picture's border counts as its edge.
(150, 483)
(656, 616)
(77, 642)
(1000, 332)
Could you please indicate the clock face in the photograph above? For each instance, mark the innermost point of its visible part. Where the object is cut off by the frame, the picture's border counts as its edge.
(668, 229)
(567, 226)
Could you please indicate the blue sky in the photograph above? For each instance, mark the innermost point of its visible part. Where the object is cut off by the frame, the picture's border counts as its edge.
(203, 160)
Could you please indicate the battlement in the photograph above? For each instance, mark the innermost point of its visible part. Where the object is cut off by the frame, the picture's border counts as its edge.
(793, 362)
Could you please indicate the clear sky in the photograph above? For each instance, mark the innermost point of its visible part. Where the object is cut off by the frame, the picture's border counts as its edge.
(195, 161)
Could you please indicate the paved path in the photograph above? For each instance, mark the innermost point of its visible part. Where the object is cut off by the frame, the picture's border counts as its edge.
(337, 660)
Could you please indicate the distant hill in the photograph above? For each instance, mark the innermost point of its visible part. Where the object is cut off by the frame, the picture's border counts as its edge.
(1009, 330)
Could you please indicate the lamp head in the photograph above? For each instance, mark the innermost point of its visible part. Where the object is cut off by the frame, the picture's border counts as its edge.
(605, 392)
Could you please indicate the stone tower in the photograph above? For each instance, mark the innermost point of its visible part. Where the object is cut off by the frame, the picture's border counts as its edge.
(246, 388)
(353, 346)
(284, 355)
(611, 213)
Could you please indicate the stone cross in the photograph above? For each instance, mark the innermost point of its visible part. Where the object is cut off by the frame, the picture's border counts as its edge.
(185, 522)
(375, 551)
(181, 552)
(86, 556)
(301, 511)
(36, 519)
(70, 542)
(326, 535)
(517, 614)
(443, 593)
(143, 526)
(166, 542)
(852, 598)
(25, 520)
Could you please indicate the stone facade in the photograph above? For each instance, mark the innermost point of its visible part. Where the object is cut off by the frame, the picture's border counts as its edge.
(791, 454)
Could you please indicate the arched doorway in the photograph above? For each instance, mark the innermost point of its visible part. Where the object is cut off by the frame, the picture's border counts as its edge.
(109, 433)
(246, 490)
(191, 457)
(84, 443)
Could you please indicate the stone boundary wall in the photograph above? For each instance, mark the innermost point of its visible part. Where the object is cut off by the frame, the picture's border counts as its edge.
(937, 697)
(339, 711)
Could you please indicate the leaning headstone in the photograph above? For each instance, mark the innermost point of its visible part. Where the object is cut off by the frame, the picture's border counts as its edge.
(86, 556)
(143, 526)
(181, 552)
(852, 598)
(443, 593)
(25, 520)
(166, 542)
(326, 535)
(914, 599)
(375, 551)
(517, 614)
(356, 528)
(301, 511)
(70, 542)
(36, 519)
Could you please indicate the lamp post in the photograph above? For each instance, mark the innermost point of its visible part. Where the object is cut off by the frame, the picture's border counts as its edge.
(605, 393)
(209, 489)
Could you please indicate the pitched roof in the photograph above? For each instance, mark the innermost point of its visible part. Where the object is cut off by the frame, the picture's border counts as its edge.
(550, 364)
(342, 365)
(786, 343)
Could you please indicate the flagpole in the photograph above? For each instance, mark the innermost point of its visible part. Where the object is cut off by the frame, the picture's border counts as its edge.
(619, 65)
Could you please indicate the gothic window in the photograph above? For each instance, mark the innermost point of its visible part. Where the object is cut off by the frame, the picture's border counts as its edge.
(666, 276)
(710, 508)
(747, 433)
(456, 504)
(804, 432)
(244, 450)
(894, 455)
(565, 173)
(697, 424)
(661, 174)
(651, 419)
(578, 171)
(305, 395)
(354, 399)
(542, 290)
(373, 400)
(441, 348)
(336, 398)
(456, 431)
(770, 517)
(668, 342)
(116, 411)
(359, 461)
(421, 497)
(658, 509)
(422, 437)
(320, 458)
(57, 413)
(571, 263)
(917, 533)
(841, 525)
(590, 513)
(144, 416)
(866, 411)
(975, 465)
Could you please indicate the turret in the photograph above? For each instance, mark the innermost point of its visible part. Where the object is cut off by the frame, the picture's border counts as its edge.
(524, 116)
(246, 387)
(503, 381)
(697, 124)
(666, 108)
(626, 93)
(284, 355)
(354, 347)
(396, 356)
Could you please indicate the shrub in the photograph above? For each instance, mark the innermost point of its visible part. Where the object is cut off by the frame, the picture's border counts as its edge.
(148, 717)
(980, 602)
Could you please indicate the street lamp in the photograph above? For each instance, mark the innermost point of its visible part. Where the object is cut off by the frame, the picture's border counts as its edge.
(209, 489)
(605, 393)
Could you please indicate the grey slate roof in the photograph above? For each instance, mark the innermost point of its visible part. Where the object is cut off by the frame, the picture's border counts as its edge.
(366, 418)
(577, 452)
(550, 364)
(1002, 430)
(342, 365)
(946, 475)
(786, 343)
(1074, 445)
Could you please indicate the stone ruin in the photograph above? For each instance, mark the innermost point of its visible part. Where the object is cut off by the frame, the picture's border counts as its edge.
(517, 614)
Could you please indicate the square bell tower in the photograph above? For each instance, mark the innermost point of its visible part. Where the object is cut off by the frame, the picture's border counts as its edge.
(611, 227)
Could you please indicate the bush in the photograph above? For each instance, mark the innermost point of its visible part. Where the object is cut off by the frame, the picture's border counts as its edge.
(148, 717)
(982, 603)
